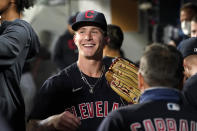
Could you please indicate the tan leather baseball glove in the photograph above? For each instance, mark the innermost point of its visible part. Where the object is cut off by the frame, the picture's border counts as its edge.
(122, 77)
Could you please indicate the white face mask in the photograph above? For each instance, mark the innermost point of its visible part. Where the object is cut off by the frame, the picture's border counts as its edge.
(186, 27)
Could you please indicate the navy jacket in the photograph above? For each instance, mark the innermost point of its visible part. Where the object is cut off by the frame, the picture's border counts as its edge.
(159, 109)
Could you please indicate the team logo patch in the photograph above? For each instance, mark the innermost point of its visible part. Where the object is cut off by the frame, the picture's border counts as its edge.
(76, 89)
(173, 107)
(89, 14)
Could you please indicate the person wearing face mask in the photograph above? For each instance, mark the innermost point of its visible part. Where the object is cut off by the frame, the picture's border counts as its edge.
(187, 11)
(18, 44)
(186, 27)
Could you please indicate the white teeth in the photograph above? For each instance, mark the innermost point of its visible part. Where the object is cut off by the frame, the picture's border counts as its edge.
(88, 45)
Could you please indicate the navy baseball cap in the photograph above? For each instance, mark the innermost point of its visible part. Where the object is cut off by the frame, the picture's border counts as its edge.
(72, 18)
(90, 17)
(188, 47)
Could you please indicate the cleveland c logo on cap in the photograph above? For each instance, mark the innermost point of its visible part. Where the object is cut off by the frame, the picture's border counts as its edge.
(89, 14)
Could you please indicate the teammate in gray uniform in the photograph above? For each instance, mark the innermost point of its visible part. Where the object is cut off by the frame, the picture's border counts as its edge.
(161, 105)
(79, 97)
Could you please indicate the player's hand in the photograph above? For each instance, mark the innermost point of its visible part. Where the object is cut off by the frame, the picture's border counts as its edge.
(65, 121)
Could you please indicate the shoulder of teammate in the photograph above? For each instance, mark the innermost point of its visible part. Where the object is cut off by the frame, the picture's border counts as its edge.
(115, 120)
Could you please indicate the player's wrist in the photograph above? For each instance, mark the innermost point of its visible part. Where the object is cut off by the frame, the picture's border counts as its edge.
(48, 124)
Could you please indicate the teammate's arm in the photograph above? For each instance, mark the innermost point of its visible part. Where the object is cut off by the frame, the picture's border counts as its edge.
(65, 121)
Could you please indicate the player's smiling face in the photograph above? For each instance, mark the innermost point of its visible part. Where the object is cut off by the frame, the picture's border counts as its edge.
(90, 41)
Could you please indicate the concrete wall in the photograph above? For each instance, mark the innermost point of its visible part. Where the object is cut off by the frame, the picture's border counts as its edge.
(98, 5)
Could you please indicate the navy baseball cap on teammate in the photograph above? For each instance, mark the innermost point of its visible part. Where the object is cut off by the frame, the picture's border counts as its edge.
(90, 17)
(188, 47)
(72, 18)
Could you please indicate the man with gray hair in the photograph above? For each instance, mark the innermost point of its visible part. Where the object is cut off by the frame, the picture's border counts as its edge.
(161, 104)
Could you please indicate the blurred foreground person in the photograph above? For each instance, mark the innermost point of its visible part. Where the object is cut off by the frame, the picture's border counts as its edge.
(18, 43)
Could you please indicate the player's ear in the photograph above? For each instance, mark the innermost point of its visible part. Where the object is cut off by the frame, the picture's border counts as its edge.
(141, 83)
(184, 62)
(107, 39)
(186, 68)
(74, 37)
